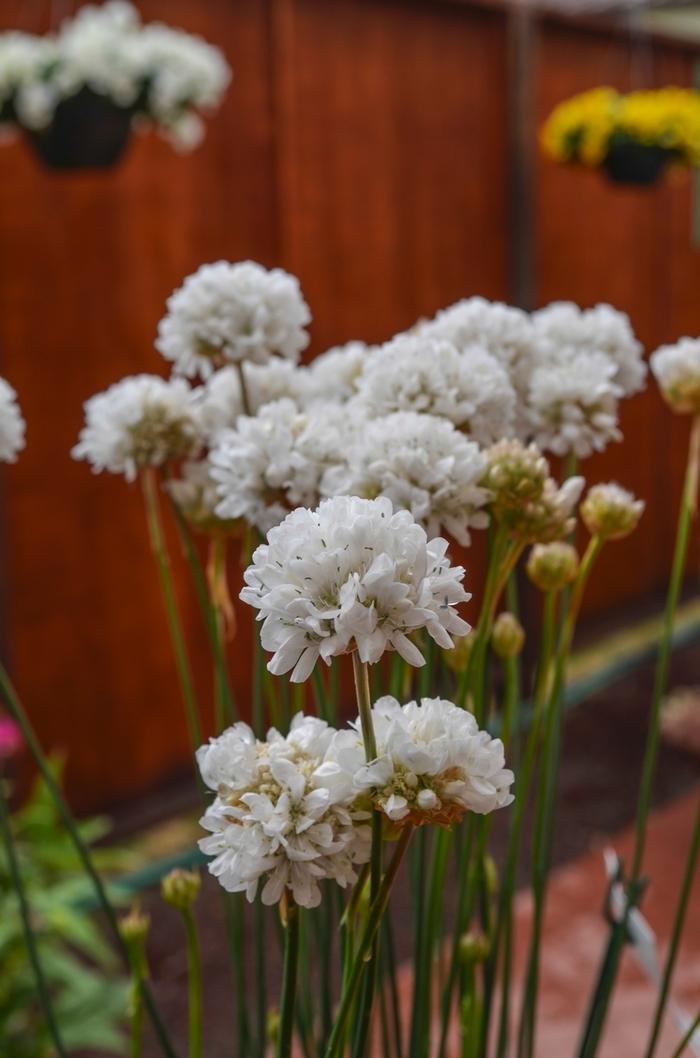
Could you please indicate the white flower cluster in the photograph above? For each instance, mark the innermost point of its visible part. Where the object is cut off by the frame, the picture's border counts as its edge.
(232, 313)
(12, 425)
(292, 811)
(283, 813)
(676, 368)
(433, 763)
(352, 575)
(141, 421)
(424, 465)
(275, 461)
(164, 75)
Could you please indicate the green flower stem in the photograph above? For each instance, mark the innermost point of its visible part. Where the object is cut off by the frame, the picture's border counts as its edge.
(222, 615)
(546, 796)
(227, 708)
(258, 717)
(289, 980)
(364, 946)
(389, 952)
(30, 939)
(676, 934)
(245, 396)
(466, 897)
(429, 933)
(618, 933)
(687, 1036)
(194, 971)
(149, 482)
(18, 714)
(320, 695)
(364, 706)
(470, 676)
(260, 973)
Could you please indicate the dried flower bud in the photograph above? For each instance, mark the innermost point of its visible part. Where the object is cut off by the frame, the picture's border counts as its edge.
(508, 636)
(611, 512)
(180, 888)
(551, 567)
(134, 926)
(458, 657)
(474, 947)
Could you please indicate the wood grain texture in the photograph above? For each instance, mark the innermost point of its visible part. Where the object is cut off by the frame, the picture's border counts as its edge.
(362, 145)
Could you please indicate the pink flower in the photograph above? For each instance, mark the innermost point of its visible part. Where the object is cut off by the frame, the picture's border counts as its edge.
(10, 738)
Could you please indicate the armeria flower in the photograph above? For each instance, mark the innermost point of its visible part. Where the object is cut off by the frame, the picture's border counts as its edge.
(525, 500)
(428, 375)
(676, 368)
(573, 403)
(352, 575)
(233, 312)
(142, 421)
(551, 567)
(421, 463)
(275, 461)
(12, 425)
(284, 815)
(219, 402)
(433, 763)
(601, 329)
(196, 495)
(335, 374)
(502, 330)
(611, 512)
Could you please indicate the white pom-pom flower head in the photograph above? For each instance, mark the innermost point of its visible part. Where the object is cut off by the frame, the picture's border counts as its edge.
(141, 421)
(353, 575)
(227, 312)
(676, 368)
(12, 425)
(284, 815)
(433, 763)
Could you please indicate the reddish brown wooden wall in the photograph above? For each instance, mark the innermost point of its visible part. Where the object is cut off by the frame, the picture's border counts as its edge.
(363, 145)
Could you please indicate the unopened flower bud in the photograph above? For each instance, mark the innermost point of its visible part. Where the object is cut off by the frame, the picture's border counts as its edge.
(508, 636)
(611, 512)
(490, 875)
(458, 657)
(551, 567)
(677, 370)
(180, 888)
(134, 926)
(474, 947)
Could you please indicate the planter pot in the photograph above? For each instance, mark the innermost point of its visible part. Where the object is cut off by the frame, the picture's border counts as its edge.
(88, 131)
(636, 163)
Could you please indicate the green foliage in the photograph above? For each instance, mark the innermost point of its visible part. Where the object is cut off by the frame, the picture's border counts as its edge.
(88, 993)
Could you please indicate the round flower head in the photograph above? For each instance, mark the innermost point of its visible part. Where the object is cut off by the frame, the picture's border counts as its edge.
(502, 330)
(507, 636)
(611, 512)
(12, 425)
(524, 498)
(433, 763)
(428, 375)
(551, 567)
(421, 463)
(573, 402)
(274, 461)
(233, 312)
(351, 575)
(335, 374)
(284, 815)
(219, 402)
(601, 329)
(676, 368)
(142, 421)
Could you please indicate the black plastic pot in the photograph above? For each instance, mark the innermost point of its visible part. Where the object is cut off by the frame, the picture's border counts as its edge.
(88, 131)
(636, 163)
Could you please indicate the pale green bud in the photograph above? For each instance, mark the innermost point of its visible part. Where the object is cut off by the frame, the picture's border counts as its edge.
(180, 888)
(611, 512)
(508, 636)
(551, 567)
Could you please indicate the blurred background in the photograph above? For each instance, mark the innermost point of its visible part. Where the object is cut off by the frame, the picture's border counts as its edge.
(386, 152)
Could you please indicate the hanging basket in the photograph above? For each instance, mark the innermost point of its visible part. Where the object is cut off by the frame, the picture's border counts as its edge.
(636, 163)
(88, 131)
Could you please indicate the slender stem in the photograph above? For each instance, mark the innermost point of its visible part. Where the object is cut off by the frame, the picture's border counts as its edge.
(289, 981)
(18, 714)
(611, 959)
(466, 895)
(260, 971)
(30, 939)
(676, 933)
(245, 396)
(194, 972)
(149, 483)
(374, 918)
(364, 706)
(687, 1036)
(389, 949)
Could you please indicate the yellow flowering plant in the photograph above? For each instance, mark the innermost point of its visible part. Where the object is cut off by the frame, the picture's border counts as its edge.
(632, 136)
